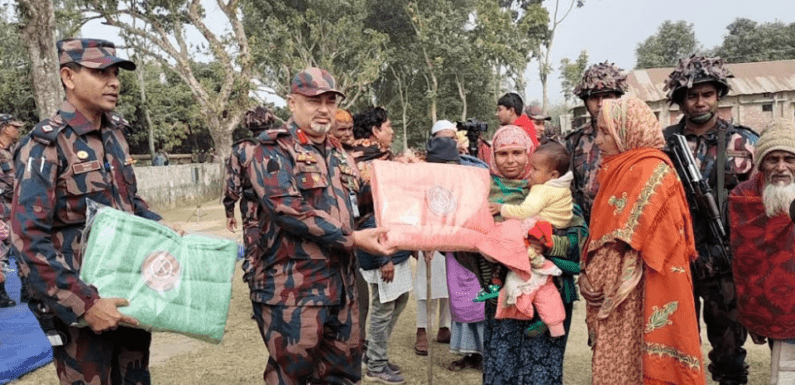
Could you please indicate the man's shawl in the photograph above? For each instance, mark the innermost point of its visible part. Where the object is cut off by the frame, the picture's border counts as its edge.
(764, 263)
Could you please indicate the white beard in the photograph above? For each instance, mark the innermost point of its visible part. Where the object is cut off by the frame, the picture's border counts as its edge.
(319, 129)
(777, 198)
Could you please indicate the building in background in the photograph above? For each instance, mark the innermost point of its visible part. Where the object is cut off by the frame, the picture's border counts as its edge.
(760, 92)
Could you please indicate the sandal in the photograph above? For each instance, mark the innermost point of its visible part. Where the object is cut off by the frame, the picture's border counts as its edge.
(536, 329)
(421, 346)
(483, 295)
(473, 361)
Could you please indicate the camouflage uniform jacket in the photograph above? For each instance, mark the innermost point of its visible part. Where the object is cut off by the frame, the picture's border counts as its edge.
(63, 162)
(307, 230)
(740, 147)
(238, 187)
(585, 162)
(6, 184)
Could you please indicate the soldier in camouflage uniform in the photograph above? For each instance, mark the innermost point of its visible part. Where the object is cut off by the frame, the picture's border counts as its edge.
(9, 133)
(696, 85)
(303, 290)
(599, 82)
(78, 154)
(238, 187)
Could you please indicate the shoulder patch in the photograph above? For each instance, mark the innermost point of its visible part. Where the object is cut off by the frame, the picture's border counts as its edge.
(270, 136)
(47, 130)
(746, 131)
(245, 140)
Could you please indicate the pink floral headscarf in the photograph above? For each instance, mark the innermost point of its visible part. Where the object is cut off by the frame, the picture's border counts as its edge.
(511, 137)
(631, 123)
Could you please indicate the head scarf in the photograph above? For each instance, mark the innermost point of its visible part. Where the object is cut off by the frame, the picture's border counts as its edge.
(642, 203)
(343, 116)
(631, 123)
(511, 137)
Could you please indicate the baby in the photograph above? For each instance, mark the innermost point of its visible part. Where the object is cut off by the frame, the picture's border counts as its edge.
(548, 206)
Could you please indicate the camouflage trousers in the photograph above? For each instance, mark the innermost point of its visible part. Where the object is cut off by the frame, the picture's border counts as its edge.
(310, 344)
(113, 357)
(725, 333)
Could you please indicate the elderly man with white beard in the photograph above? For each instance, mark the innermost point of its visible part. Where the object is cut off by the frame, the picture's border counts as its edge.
(763, 241)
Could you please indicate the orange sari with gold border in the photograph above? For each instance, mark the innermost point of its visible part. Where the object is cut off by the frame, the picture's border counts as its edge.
(642, 203)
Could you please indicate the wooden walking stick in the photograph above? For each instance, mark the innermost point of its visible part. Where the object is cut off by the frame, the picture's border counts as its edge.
(429, 314)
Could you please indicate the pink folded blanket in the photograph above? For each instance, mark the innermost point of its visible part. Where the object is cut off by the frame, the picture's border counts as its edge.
(432, 206)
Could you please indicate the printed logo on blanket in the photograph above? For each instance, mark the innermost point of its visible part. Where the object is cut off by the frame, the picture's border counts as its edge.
(160, 271)
(441, 200)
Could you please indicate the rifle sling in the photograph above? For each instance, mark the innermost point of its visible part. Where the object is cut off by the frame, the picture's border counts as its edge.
(721, 170)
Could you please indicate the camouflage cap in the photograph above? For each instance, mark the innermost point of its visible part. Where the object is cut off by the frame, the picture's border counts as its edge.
(314, 81)
(697, 69)
(601, 78)
(534, 112)
(91, 53)
(8, 119)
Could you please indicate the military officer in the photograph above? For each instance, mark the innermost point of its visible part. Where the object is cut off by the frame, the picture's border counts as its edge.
(78, 154)
(303, 289)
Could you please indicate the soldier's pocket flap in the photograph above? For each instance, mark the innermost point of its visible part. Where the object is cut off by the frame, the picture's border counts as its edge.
(311, 180)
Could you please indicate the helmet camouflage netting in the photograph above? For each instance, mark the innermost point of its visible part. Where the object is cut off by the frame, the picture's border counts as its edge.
(599, 78)
(259, 118)
(694, 70)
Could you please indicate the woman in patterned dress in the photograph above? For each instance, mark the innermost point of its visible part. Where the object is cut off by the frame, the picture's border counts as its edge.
(510, 357)
(636, 267)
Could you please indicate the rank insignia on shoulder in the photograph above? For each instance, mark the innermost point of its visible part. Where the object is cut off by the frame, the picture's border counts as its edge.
(46, 128)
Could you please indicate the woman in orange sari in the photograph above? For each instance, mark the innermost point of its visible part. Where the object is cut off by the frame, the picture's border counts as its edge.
(636, 278)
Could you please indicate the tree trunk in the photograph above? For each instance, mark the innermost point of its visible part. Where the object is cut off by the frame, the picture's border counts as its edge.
(38, 34)
(463, 94)
(221, 133)
(149, 127)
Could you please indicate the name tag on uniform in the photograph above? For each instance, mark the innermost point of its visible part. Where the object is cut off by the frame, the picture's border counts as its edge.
(82, 168)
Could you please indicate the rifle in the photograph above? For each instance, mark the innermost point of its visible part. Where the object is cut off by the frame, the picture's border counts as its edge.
(698, 189)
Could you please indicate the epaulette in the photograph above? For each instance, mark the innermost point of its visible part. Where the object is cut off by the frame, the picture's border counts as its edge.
(747, 129)
(250, 140)
(574, 132)
(47, 130)
(270, 136)
(120, 123)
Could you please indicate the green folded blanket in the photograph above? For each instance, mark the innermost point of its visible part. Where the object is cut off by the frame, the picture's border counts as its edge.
(173, 283)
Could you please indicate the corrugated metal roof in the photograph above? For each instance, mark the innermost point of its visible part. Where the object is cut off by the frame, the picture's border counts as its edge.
(749, 78)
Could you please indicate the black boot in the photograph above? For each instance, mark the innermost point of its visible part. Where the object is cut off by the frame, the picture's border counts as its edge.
(5, 300)
(24, 294)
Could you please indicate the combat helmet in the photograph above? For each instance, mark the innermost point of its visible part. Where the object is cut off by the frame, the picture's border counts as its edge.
(695, 70)
(258, 119)
(601, 78)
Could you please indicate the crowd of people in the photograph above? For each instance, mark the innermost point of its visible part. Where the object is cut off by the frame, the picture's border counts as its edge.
(605, 212)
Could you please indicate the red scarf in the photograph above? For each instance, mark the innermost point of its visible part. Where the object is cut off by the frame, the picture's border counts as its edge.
(764, 263)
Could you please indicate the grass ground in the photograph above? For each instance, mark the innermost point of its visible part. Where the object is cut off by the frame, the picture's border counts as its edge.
(241, 357)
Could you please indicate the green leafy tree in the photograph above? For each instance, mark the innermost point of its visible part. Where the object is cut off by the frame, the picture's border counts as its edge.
(158, 30)
(673, 40)
(289, 36)
(749, 41)
(571, 74)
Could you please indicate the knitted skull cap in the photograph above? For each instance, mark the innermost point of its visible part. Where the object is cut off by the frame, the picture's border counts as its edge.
(778, 135)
